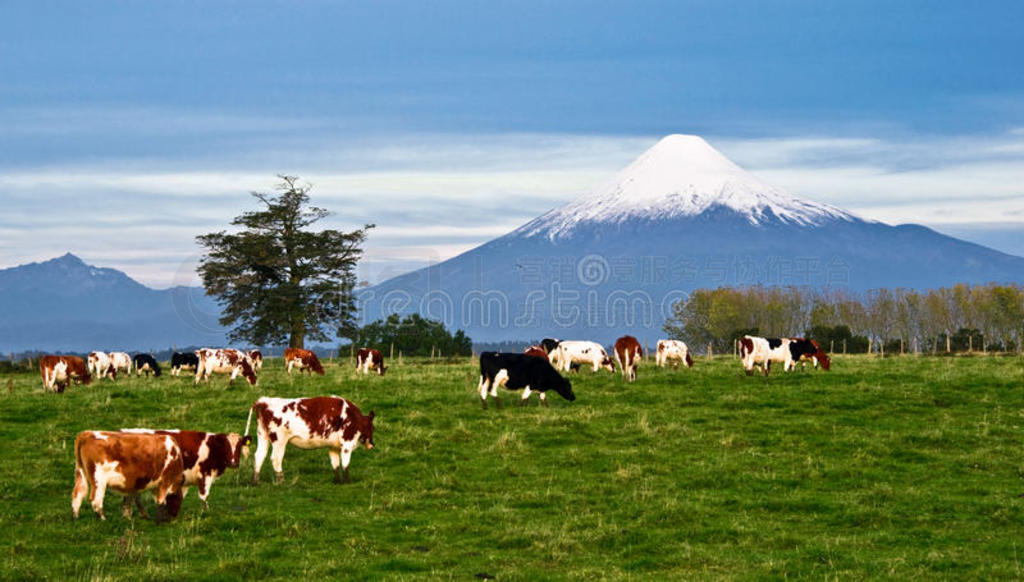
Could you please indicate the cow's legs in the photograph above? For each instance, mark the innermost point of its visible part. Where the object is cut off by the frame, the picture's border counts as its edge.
(98, 492)
(526, 396)
(78, 493)
(142, 508)
(346, 458)
(277, 458)
(290, 364)
(260, 456)
(544, 399)
(126, 505)
(335, 455)
(204, 490)
(482, 387)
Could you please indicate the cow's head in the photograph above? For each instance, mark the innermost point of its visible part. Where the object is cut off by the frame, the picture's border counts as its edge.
(112, 372)
(156, 368)
(366, 431)
(608, 364)
(552, 380)
(823, 360)
(238, 448)
(381, 368)
(248, 372)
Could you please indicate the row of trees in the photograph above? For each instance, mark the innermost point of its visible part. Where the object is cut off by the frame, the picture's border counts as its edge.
(414, 336)
(957, 318)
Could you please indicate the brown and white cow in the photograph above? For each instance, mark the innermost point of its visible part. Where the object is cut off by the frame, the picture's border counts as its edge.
(329, 422)
(629, 353)
(206, 455)
(59, 371)
(670, 350)
(99, 365)
(368, 359)
(121, 362)
(256, 357)
(224, 361)
(581, 352)
(129, 464)
(302, 359)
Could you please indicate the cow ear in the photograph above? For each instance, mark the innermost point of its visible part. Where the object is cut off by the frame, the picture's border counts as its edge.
(370, 416)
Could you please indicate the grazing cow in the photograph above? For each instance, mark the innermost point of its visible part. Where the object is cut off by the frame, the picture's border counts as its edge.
(99, 365)
(672, 350)
(145, 363)
(629, 353)
(804, 350)
(224, 361)
(583, 352)
(515, 371)
(59, 371)
(256, 357)
(368, 359)
(205, 455)
(121, 362)
(536, 351)
(300, 358)
(180, 360)
(329, 422)
(759, 351)
(129, 464)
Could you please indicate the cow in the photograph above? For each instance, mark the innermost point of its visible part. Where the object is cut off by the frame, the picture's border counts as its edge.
(672, 350)
(145, 363)
(549, 344)
(368, 359)
(186, 360)
(759, 351)
(129, 464)
(121, 362)
(256, 357)
(59, 371)
(803, 350)
(329, 422)
(224, 361)
(99, 365)
(629, 353)
(536, 351)
(515, 371)
(583, 352)
(205, 456)
(300, 358)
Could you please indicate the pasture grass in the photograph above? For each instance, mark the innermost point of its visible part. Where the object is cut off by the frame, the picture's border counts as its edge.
(883, 468)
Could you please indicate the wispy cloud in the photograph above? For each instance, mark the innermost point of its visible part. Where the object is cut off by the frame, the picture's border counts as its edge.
(434, 195)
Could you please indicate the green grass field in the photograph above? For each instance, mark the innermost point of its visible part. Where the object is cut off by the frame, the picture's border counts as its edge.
(897, 468)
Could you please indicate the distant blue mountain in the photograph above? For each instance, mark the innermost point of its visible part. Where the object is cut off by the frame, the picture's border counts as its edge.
(65, 304)
(679, 218)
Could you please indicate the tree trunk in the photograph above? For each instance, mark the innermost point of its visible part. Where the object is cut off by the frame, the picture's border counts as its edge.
(298, 335)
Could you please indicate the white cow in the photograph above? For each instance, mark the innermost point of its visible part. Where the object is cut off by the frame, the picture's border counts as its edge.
(582, 352)
(673, 350)
(761, 352)
(121, 361)
(100, 366)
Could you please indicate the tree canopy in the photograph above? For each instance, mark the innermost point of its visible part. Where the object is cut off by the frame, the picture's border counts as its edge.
(414, 336)
(276, 279)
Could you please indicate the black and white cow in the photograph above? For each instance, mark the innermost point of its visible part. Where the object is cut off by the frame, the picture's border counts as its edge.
(515, 371)
(145, 363)
(179, 361)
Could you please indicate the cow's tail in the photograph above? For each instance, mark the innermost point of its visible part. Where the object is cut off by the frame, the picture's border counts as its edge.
(249, 420)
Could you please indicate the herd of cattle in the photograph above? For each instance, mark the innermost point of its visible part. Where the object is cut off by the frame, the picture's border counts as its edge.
(168, 462)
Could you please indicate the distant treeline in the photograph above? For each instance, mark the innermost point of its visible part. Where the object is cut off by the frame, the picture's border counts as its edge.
(958, 318)
(411, 336)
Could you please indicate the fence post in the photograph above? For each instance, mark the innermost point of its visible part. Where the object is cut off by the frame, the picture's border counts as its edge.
(709, 351)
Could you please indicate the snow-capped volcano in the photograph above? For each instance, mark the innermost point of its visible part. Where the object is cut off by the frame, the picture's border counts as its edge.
(680, 217)
(681, 176)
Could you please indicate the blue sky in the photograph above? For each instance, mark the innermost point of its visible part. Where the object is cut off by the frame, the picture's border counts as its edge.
(127, 128)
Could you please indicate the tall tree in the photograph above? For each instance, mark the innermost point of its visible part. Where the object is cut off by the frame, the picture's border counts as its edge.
(276, 279)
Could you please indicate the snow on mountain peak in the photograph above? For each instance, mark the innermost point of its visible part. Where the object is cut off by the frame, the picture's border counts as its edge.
(681, 176)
